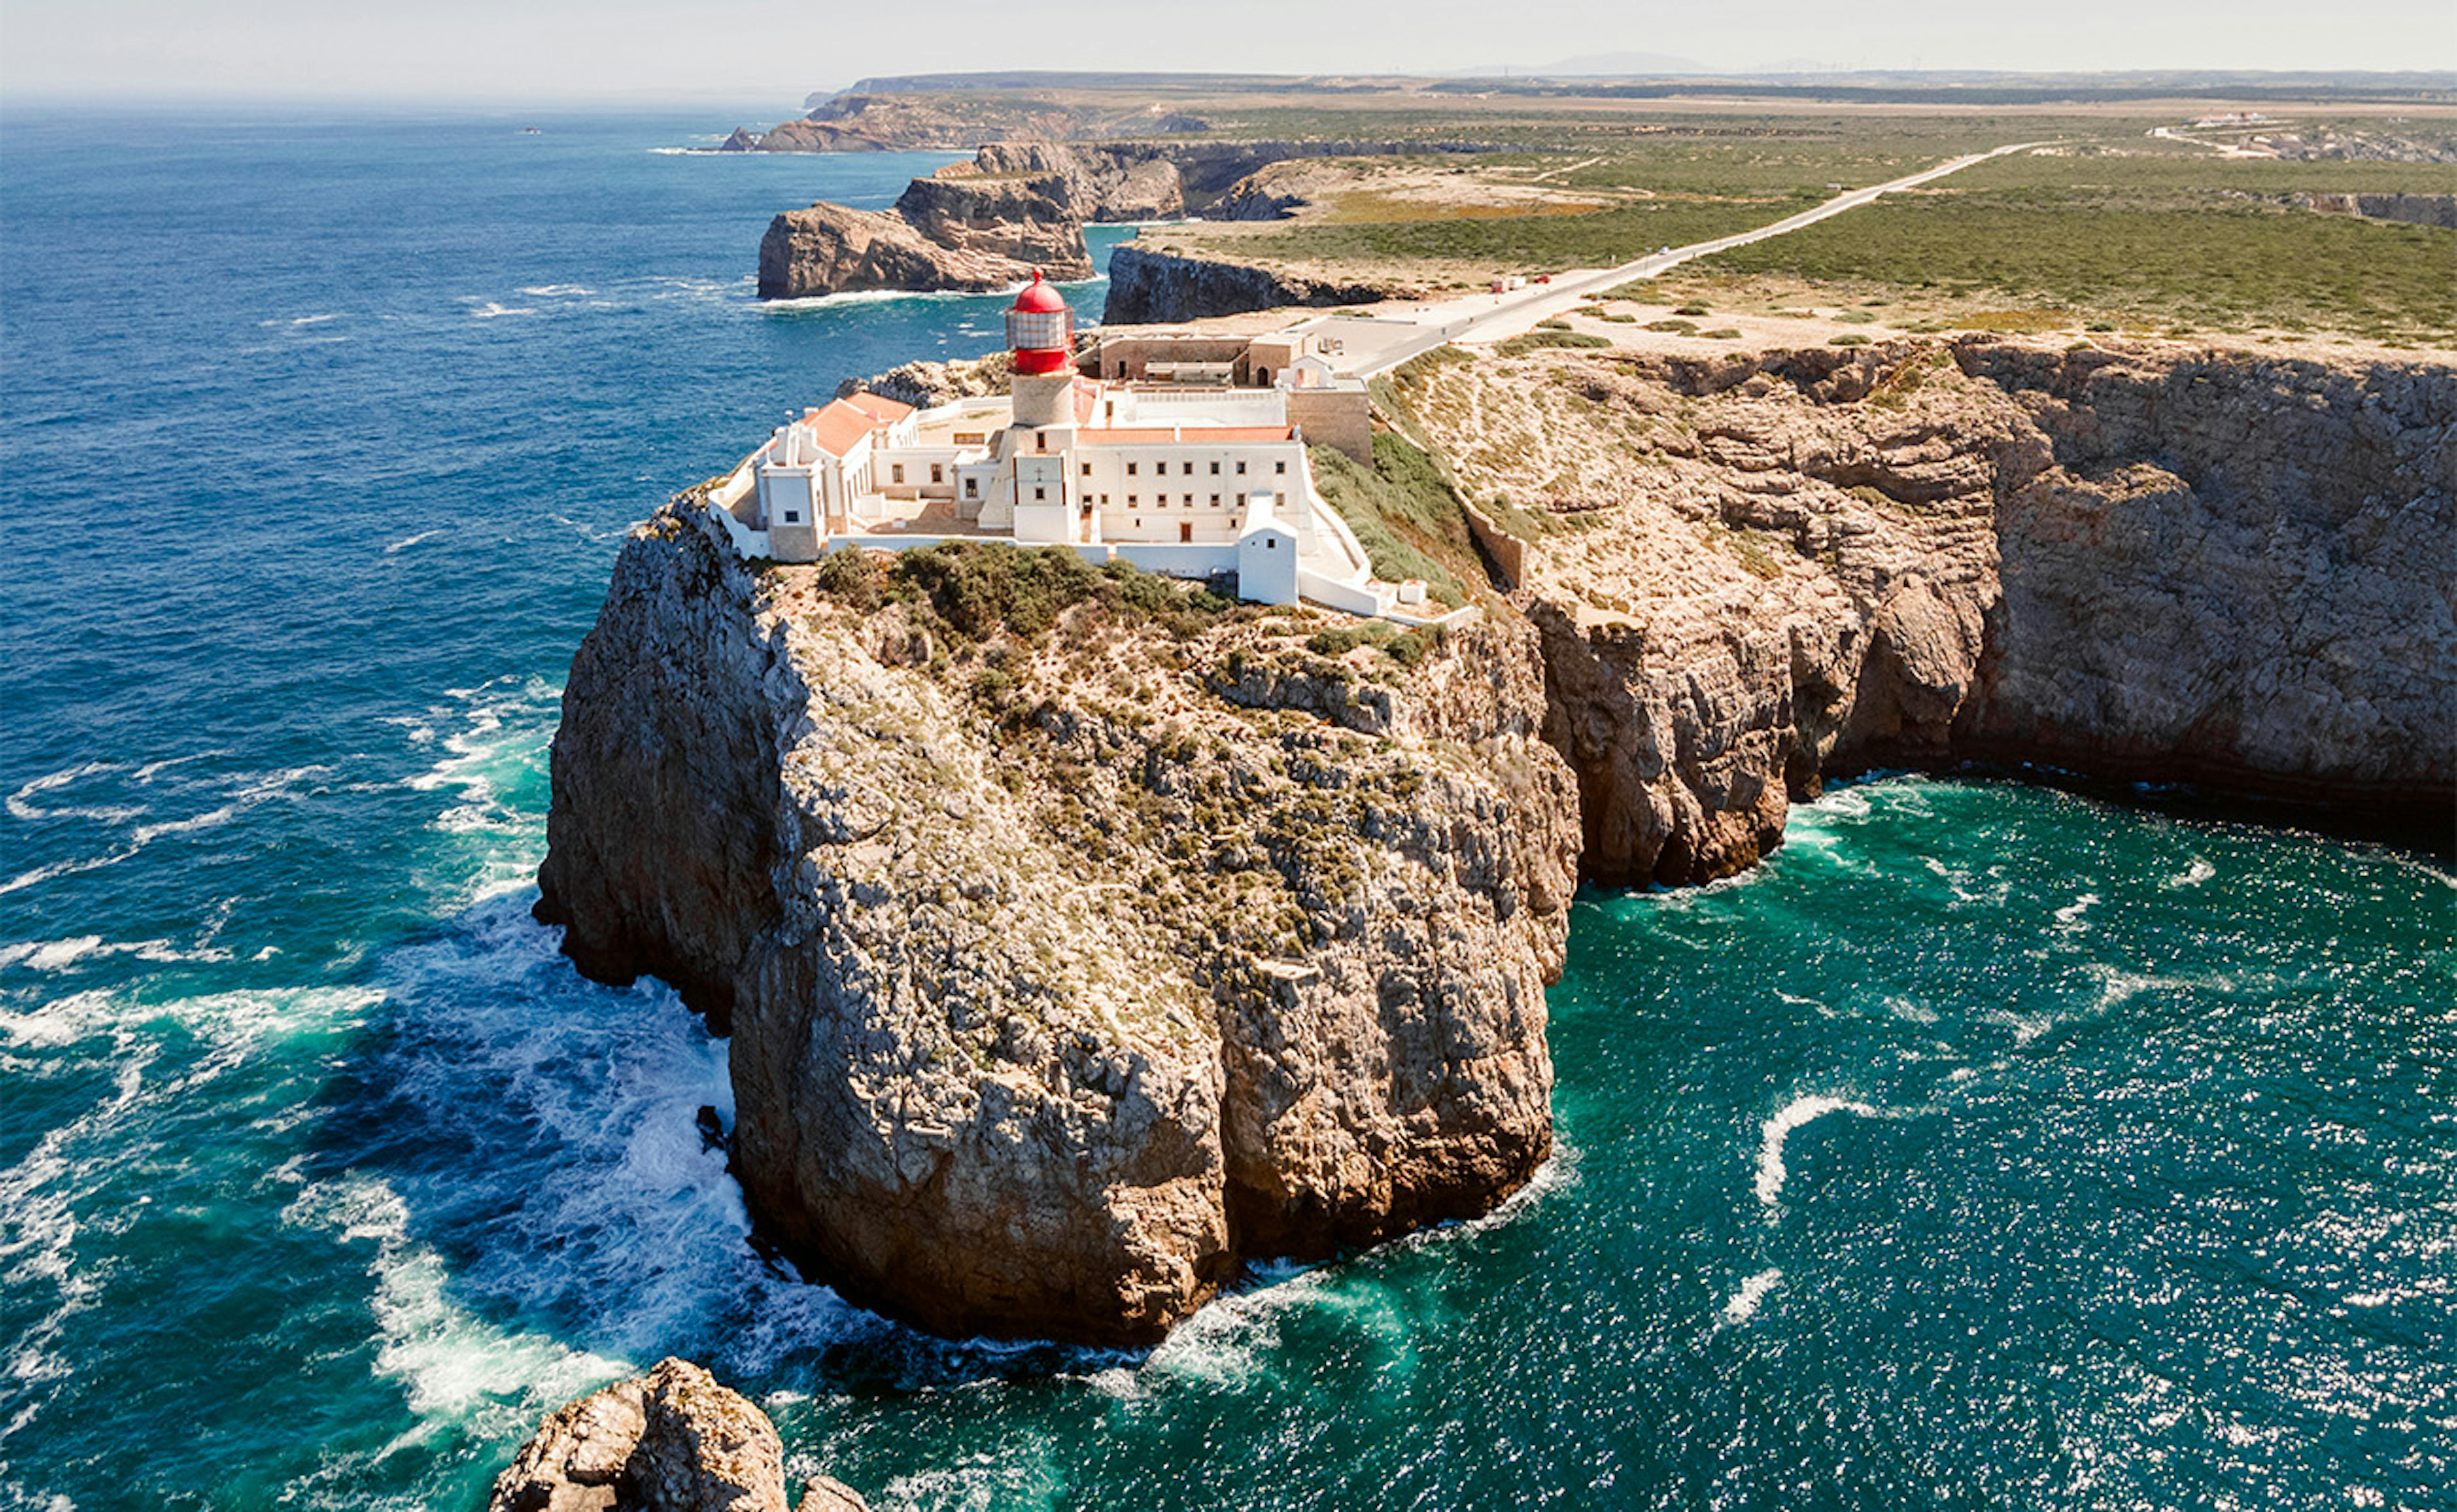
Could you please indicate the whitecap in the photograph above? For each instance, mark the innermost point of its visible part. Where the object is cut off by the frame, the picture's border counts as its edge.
(1743, 1303)
(154, 769)
(1910, 1012)
(21, 803)
(1798, 1112)
(408, 541)
(2193, 876)
(490, 310)
(2069, 914)
(456, 1368)
(58, 955)
(68, 868)
(558, 291)
(211, 819)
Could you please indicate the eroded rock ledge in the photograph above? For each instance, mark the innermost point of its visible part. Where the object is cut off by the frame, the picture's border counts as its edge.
(1078, 935)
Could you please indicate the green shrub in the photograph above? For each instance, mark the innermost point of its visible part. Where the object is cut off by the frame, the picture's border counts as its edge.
(978, 589)
(1537, 340)
(1693, 307)
(1849, 339)
(1406, 515)
(1676, 327)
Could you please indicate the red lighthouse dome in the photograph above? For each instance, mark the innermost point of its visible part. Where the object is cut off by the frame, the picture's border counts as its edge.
(1040, 329)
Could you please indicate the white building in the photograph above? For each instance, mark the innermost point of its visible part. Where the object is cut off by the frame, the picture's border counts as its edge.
(1188, 481)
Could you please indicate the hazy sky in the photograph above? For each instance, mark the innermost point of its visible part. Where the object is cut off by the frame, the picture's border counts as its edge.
(768, 56)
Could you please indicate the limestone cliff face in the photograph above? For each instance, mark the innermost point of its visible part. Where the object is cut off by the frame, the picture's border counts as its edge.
(969, 242)
(1150, 288)
(1020, 206)
(1067, 965)
(1751, 573)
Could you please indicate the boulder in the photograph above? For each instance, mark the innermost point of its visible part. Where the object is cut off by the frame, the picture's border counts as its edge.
(671, 1441)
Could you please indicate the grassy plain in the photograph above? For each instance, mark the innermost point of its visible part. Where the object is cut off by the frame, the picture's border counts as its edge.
(2131, 219)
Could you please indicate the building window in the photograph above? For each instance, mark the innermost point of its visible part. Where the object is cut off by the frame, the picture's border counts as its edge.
(1087, 470)
(1215, 469)
(896, 473)
(792, 517)
(1087, 501)
(1105, 501)
(1241, 469)
(1189, 501)
(938, 474)
(972, 487)
(1216, 501)
(1270, 544)
(1279, 466)
(1133, 499)
(1039, 494)
(1130, 470)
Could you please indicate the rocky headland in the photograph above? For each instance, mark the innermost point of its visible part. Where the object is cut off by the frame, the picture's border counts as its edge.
(1022, 205)
(1081, 935)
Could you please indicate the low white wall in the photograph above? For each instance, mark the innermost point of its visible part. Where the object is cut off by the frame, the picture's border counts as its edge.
(1331, 593)
(748, 543)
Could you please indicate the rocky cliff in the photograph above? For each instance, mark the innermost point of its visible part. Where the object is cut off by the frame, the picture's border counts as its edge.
(1148, 287)
(2147, 564)
(973, 234)
(1079, 933)
(1020, 206)
(671, 1441)
(2414, 210)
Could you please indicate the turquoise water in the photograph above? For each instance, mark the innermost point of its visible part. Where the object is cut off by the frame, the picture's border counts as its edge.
(1990, 1147)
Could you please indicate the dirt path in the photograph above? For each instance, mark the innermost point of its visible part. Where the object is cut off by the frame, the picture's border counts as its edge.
(1490, 318)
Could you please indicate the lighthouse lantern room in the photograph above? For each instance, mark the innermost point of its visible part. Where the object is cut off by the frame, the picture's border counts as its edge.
(1041, 330)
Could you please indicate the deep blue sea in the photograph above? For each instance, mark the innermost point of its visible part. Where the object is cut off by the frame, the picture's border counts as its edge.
(1990, 1146)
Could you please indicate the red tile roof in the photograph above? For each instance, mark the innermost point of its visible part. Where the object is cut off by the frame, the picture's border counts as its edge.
(879, 409)
(846, 420)
(838, 426)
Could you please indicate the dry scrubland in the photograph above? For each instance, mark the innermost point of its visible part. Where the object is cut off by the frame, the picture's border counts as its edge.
(2111, 228)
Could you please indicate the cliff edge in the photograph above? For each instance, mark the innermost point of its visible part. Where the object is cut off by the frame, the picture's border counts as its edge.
(2146, 563)
(1079, 934)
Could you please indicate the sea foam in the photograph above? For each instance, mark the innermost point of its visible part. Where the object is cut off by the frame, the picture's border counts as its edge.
(1743, 1303)
(1798, 1112)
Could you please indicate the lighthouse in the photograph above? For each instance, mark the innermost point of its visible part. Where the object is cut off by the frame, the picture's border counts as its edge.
(1040, 336)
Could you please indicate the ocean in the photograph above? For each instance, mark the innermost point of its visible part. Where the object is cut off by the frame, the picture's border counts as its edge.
(1991, 1146)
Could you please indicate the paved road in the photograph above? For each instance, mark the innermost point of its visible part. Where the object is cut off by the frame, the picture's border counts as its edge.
(1486, 317)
